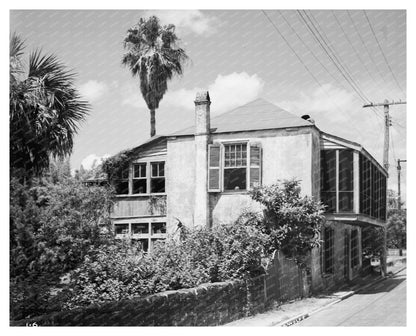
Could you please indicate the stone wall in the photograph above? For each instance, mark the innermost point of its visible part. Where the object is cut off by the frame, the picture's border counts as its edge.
(206, 305)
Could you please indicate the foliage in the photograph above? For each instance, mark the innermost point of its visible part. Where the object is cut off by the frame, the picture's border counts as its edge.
(152, 55)
(122, 271)
(292, 222)
(45, 110)
(114, 165)
(52, 227)
(372, 241)
(396, 229)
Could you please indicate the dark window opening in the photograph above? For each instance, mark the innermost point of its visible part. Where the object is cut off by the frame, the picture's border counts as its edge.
(158, 228)
(139, 228)
(355, 257)
(122, 183)
(121, 229)
(345, 181)
(235, 179)
(328, 250)
(157, 182)
(328, 179)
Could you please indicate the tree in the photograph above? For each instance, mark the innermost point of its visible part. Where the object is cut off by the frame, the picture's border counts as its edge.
(152, 55)
(45, 110)
(396, 229)
(292, 222)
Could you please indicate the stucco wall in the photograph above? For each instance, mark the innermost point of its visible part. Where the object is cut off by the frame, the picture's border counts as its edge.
(321, 280)
(180, 181)
(285, 155)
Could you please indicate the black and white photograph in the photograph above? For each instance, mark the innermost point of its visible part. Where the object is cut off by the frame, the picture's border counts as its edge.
(207, 167)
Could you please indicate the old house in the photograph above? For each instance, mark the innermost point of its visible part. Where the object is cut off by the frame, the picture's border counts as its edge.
(200, 176)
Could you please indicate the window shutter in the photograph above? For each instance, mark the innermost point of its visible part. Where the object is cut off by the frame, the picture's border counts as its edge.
(214, 164)
(255, 165)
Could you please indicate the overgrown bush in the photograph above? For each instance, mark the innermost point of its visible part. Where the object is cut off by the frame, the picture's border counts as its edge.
(291, 222)
(52, 227)
(122, 272)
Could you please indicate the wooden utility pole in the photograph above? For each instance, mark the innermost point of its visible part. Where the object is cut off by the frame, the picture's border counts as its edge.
(387, 123)
(399, 195)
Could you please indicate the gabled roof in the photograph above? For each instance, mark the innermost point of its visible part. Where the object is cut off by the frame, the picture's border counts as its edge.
(256, 115)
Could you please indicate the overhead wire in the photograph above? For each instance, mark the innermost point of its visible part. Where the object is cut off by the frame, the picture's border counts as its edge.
(382, 52)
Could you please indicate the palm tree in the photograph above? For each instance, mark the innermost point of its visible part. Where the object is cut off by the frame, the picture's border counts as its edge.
(152, 55)
(45, 109)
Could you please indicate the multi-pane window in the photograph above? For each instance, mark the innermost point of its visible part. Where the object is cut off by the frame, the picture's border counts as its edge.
(139, 178)
(235, 167)
(122, 183)
(346, 180)
(337, 180)
(142, 235)
(372, 189)
(328, 252)
(157, 181)
(146, 177)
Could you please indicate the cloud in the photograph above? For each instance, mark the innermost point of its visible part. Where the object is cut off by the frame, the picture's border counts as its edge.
(93, 160)
(226, 92)
(324, 99)
(186, 20)
(93, 90)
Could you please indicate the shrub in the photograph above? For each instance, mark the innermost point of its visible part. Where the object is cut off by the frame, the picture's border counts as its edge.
(291, 222)
(121, 271)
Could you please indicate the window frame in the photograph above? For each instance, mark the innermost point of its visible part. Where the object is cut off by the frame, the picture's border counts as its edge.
(148, 162)
(150, 236)
(249, 144)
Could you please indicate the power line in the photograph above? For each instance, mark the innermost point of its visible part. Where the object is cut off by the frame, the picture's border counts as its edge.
(382, 52)
(300, 60)
(332, 56)
(355, 50)
(366, 48)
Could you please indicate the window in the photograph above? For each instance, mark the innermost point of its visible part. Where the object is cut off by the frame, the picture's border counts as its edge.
(157, 182)
(146, 178)
(139, 178)
(337, 180)
(328, 253)
(122, 183)
(355, 256)
(143, 235)
(372, 189)
(234, 166)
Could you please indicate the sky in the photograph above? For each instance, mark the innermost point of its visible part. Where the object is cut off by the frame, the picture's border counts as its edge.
(239, 56)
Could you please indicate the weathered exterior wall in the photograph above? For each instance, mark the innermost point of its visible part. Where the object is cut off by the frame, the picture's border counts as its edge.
(316, 164)
(285, 155)
(180, 182)
(138, 206)
(342, 265)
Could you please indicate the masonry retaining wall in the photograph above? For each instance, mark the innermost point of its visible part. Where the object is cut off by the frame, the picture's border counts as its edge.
(206, 305)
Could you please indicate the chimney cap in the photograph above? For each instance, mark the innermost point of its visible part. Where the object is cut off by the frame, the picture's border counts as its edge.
(202, 96)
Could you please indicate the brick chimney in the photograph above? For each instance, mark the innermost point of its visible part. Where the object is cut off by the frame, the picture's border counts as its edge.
(202, 128)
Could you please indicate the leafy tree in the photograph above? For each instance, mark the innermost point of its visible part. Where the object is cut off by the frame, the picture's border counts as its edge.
(396, 229)
(292, 222)
(52, 227)
(152, 55)
(45, 110)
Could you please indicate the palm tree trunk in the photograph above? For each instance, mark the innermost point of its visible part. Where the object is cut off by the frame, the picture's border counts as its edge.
(152, 123)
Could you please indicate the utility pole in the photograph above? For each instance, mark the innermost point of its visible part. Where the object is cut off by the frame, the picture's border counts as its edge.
(387, 123)
(399, 196)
